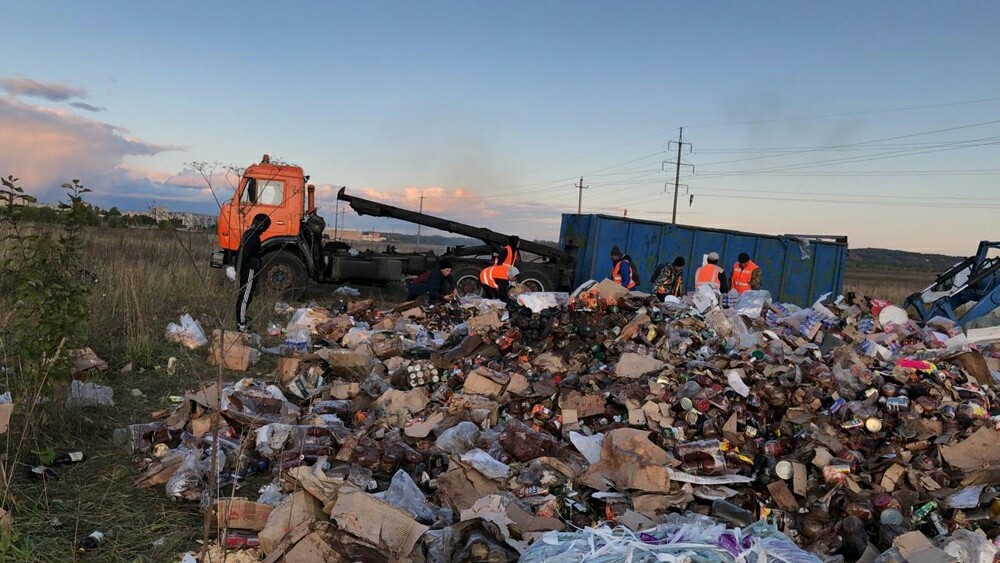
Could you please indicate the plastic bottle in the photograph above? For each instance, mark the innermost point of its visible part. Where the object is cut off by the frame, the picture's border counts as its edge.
(93, 541)
(42, 473)
(731, 513)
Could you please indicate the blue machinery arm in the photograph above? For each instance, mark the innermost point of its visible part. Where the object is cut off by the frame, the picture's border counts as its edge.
(975, 281)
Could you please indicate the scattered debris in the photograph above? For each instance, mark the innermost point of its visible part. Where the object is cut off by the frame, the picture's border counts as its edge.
(678, 431)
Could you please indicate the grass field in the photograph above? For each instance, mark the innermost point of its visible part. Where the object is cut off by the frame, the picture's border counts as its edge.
(147, 279)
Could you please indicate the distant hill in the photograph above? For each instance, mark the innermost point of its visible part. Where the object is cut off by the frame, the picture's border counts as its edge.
(884, 258)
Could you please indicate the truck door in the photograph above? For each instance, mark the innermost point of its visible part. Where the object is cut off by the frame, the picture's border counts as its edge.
(269, 196)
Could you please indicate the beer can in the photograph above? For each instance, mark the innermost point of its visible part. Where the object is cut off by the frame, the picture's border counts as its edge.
(687, 404)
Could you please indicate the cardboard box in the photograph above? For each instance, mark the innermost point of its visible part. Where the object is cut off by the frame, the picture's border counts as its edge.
(347, 362)
(242, 514)
(231, 349)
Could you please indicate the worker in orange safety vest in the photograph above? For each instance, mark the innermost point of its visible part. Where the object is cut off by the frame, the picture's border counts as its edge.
(624, 276)
(496, 282)
(510, 255)
(746, 274)
(711, 274)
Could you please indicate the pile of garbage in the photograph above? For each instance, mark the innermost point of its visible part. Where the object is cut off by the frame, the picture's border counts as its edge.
(597, 426)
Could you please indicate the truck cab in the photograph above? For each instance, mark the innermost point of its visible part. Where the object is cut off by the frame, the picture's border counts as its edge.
(275, 190)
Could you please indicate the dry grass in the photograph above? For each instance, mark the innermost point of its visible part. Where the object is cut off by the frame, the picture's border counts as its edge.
(894, 286)
(147, 279)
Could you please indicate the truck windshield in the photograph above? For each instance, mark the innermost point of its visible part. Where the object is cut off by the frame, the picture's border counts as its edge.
(261, 191)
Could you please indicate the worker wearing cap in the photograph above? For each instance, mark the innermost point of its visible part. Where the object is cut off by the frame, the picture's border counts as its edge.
(621, 271)
(437, 283)
(496, 281)
(711, 274)
(670, 279)
(746, 275)
(510, 255)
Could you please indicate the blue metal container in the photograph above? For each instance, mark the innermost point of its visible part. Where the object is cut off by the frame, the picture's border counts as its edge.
(796, 269)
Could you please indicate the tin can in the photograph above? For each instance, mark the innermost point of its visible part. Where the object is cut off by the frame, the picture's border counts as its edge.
(891, 517)
(922, 512)
(852, 423)
(836, 473)
(692, 417)
(873, 425)
(783, 470)
(703, 406)
(939, 524)
(897, 404)
(687, 404)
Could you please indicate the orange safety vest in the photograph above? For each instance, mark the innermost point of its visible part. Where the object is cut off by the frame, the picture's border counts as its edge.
(708, 275)
(490, 274)
(617, 277)
(742, 276)
(510, 260)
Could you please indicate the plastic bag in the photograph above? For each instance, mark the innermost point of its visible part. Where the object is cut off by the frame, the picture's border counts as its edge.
(188, 482)
(356, 337)
(753, 303)
(485, 464)
(89, 395)
(271, 495)
(970, 547)
(271, 439)
(405, 494)
(458, 439)
(538, 301)
(589, 446)
(347, 290)
(188, 333)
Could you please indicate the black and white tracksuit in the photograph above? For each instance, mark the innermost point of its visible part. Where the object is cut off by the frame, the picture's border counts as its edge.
(248, 264)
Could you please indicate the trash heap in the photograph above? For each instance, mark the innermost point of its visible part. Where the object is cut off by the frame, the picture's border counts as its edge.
(598, 426)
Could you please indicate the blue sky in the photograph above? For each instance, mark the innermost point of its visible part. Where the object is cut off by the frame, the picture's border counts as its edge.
(493, 110)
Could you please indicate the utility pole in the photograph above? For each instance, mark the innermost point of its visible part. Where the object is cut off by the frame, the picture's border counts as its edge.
(418, 225)
(579, 202)
(677, 173)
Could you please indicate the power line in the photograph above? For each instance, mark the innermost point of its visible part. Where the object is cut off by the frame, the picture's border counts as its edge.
(821, 149)
(847, 114)
(971, 143)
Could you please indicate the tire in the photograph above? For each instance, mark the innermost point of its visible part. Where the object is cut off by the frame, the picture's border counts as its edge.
(536, 280)
(467, 280)
(284, 274)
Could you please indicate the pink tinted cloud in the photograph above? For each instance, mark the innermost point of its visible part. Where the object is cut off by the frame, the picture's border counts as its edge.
(46, 147)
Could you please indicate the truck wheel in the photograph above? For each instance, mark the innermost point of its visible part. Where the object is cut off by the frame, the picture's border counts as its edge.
(535, 280)
(284, 274)
(467, 280)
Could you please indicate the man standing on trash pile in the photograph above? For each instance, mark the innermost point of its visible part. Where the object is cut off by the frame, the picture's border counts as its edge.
(712, 274)
(437, 283)
(622, 273)
(746, 274)
(670, 279)
(496, 282)
(247, 265)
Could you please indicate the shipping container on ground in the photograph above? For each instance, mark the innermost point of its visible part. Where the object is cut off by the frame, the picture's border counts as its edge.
(796, 268)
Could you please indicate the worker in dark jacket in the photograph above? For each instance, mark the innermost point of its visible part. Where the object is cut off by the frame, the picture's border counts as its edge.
(437, 283)
(248, 264)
